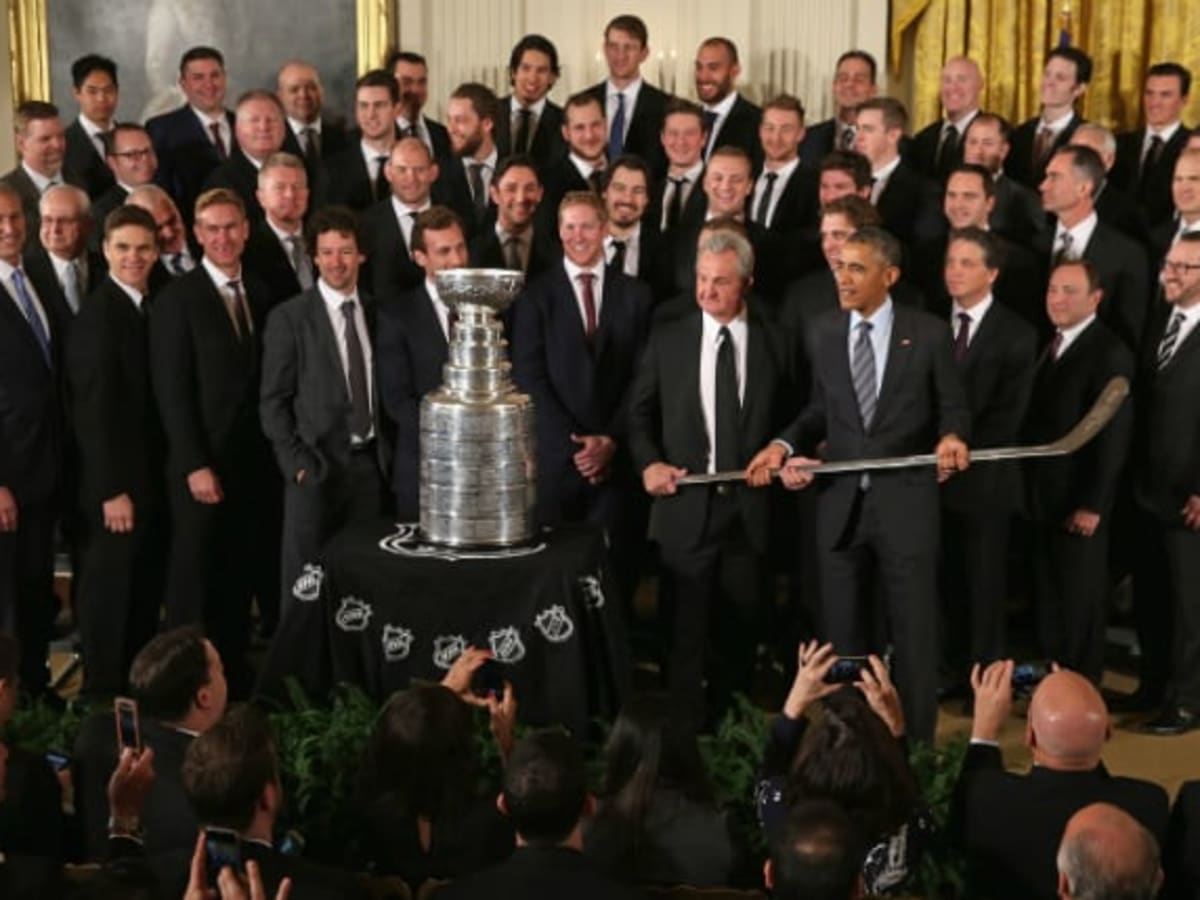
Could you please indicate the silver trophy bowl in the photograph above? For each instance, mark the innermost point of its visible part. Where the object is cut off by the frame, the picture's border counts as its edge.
(478, 451)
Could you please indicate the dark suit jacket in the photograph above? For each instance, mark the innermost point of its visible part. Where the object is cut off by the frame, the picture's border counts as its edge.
(922, 151)
(239, 175)
(577, 387)
(1167, 432)
(538, 872)
(1121, 263)
(819, 141)
(41, 269)
(31, 196)
(1011, 825)
(546, 146)
(31, 816)
(304, 403)
(116, 420)
(1019, 164)
(485, 251)
(910, 206)
(333, 140)
(676, 264)
(453, 189)
(795, 226)
(807, 298)
(345, 180)
(667, 420)
(1181, 852)
(389, 269)
(268, 260)
(1018, 213)
(740, 129)
(186, 154)
(643, 134)
(439, 137)
(411, 350)
(558, 178)
(1020, 286)
(1151, 187)
(84, 159)
(205, 377)
(1118, 208)
(998, 376)
(693, 209)
(1063, 391)
(101, 207)
(921, 401)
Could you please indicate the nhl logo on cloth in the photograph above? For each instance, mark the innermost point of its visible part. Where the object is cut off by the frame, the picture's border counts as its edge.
(353, 614)
(308, 585)
(554, 624)
(447, 648)
(397, 643)
(593, 594)
(506, 645)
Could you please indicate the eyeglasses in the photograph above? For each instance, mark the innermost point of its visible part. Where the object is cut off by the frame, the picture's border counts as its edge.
(134, 154)
(1179, 267)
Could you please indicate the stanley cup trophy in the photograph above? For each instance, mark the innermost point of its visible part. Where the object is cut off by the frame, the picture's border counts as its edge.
(478, 452)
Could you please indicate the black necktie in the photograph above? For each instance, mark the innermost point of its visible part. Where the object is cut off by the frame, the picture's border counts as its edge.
(524, 116)
(478, 194)
(596, 180)
(727, 405)
(962, 337)
(360, 402)
(710, 121)
(381, 188)
(946, 152)
(1153, 155)
(618, 257)
(764, 202)
(848, 137)
(312, 147)
(675, 208)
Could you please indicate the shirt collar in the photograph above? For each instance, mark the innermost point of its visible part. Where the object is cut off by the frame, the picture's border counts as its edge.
(712, 328)
(1165, 133)
(299, 127)
(1058, 124)
(1080, 234)
(960, 125)
(881, 318)
(133, 293)
(536, 108)
(334, 299)
(40, 181)
(206, 119)
(574, 271)
(401, 209)
(784, 172)
(723, 108)
(219, 278)
(886, 172)
(90, 127)
(585, 168)
(1069, 334)
(693, 174)
(976, 312)
(630, 91)
(284, 235)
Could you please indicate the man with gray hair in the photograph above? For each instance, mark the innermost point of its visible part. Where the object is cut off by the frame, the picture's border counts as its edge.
(1106, 854)
(61, 256)
(1113, 203)
(175, 256)
(712, 386)
(259, 128)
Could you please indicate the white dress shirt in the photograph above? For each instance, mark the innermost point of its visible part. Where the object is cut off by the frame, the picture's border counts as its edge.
(782, 176)
(710, 345)
(406, 218)
(206, 121)
(880, 179)
(975, 314)
(1191, 317)
(573, 273)
(633, 242)
(691, 181)
(722, 110)
(630, 92)
(1069, 335)
(333, 307)
(221, 282)
(1081, 233)
(440, 309)
(881, 338)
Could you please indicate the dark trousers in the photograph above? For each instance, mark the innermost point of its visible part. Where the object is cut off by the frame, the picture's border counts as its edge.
(313, 511)
(1070, 583)
(120, 590)
(973, 588)
(715, 592)
(27, 604)
(1167, 610)
(869, 553)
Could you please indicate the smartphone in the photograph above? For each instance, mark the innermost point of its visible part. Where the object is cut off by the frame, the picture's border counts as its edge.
(222, 848)
(488, 680)
(847, 670)
(1027, 676)
(129, 734)
(57, 760)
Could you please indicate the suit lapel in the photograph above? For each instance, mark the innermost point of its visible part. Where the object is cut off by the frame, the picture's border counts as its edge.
(327, 337)
(899, 349)
(689, 357)
(429, 323)
(757, 376)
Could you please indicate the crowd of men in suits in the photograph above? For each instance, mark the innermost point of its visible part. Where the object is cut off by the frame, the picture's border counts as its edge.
(220, 325)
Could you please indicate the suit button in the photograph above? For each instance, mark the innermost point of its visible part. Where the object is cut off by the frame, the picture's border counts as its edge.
(724, 489)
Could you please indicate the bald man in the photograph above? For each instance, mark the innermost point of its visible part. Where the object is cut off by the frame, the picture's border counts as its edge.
(310, 134)
(1106, 853)
(937, 148)
(1010, 823)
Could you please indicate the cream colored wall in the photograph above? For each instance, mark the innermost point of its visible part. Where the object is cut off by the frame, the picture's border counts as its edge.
(6, 99)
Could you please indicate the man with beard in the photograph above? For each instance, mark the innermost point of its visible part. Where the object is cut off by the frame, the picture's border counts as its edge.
(466, 177)
(629, 247)
(1017, 213)
(582, 169)
(412, 75)
(515, 240)
(388, 225)
(259, 127)
(730, 118)
(785, 193)
(357, 176)
(309, 135)
(526, 120)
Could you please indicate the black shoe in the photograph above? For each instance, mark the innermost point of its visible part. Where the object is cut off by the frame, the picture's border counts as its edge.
(1143, 699)
(1171, 721)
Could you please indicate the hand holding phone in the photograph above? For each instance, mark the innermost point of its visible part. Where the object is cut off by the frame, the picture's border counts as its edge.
(847, 670)
(222, 849)
(129, 733)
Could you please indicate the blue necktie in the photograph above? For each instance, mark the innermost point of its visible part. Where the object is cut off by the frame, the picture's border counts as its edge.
(31, 313)
(616, 134)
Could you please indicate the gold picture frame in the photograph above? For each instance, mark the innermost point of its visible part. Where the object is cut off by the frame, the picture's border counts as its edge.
(29, 39)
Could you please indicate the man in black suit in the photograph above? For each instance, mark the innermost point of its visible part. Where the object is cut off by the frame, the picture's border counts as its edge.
(356, 176)
(178, 681)
(318, 404)
(466, 177)
(843, 173)
(41, 146)
(309, 135)
(130, 156)
(1185, 195)
(545, 795)
(1167, 492)
(628, 246)
(121, 458)
(995, 350)
(1146, 158)
(61, 257)
(1017, 213)
(388, 225)
(276, 252)
(1010, 824)
(1114, 205)
(938, 148)
(1064, 80)
(679, 198)
(526, 121)
(94, 79)
(907, 201)
(204, 356)
(633, 108)
(584, 131)
(579, 330)
(1070, 499)
(414, 335)
(853, 84)
(1181, 851)
(176, 255)
(259, 127)
(197, 137)
(785, 193)
(730, 118)
(31, 427)
(517, 239)
(1068, 191)
(231, 777)
(884, 384)
(1105, 851)
(712, 386)
(412, 75)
